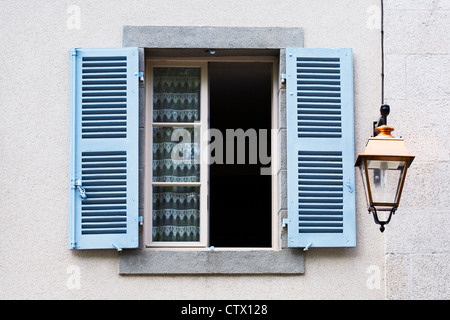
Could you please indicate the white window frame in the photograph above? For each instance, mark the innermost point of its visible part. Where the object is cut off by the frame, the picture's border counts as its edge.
(202, 62)
(202, 125)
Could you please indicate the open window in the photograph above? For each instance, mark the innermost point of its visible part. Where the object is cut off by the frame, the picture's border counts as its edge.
(240, 195)
(208, 158)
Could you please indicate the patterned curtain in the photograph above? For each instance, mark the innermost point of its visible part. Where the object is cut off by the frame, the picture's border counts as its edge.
(176, 94)
(173, 161)
(176, 214)
(176, 209)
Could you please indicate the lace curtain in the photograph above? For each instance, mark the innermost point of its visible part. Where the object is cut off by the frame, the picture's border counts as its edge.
(173, 161)
(176, 94)
(176, 213)
(176, 209)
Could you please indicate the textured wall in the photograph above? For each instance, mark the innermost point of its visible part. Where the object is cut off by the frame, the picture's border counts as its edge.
(417, 51)
(36, 37)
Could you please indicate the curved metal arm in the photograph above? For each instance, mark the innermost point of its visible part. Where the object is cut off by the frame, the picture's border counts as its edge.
(377, 221)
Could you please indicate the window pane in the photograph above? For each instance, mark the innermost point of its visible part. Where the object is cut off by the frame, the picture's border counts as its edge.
(176, 214)
(385, 178)
(176, 154)
(176, 94)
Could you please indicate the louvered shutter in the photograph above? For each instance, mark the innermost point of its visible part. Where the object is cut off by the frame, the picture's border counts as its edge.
(104, 103)
(320, 144)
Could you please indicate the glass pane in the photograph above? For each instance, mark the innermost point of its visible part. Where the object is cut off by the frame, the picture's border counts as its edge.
(385, 178)
(176, 94)
(363, 175)
(176, 154)
(176, 214)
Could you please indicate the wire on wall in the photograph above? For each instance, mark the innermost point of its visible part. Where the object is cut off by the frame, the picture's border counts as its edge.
(382, 53)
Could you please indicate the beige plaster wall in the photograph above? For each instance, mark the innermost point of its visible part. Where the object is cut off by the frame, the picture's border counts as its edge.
(35, 40)
(417, 55)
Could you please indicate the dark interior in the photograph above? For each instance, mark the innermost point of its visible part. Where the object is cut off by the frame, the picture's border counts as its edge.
(240, 197)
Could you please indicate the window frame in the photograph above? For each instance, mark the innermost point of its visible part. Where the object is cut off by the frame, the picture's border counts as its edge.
(203, 62)
(149, 125)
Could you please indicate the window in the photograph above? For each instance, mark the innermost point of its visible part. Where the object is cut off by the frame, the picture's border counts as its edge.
(312, 181)
(208, 142)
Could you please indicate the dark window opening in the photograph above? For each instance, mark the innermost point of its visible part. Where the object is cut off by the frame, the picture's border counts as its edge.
(240, 198)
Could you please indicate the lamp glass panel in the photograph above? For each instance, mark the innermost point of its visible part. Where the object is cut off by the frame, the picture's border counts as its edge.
(385, 178)
(363, 176)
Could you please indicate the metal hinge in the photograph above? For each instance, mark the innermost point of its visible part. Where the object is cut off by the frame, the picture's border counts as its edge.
(283, 81)
(140, 75)
(285, 222)
(141, 220)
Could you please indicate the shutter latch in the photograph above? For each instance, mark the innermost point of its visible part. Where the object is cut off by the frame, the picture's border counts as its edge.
(307, 247)
(117, 247)
(80, 189)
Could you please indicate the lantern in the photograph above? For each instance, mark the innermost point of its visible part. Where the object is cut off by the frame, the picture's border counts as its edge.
(383, 165)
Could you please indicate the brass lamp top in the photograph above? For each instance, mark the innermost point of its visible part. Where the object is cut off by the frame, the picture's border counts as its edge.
(384, 144)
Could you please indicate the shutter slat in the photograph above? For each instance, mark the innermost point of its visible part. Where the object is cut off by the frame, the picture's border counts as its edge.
(104, 155)
(320, 173)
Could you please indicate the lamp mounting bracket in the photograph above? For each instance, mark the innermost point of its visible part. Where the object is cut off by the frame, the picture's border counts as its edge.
(384, 112)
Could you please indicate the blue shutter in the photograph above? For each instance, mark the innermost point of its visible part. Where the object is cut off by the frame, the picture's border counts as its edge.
(104, 127)
(320, 144)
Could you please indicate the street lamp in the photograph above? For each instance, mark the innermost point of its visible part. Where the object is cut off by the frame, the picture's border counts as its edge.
(383, 166)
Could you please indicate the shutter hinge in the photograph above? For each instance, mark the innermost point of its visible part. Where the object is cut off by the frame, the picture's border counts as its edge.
(140, 75)
(283, 80)
(285, 222)
(141, 220)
